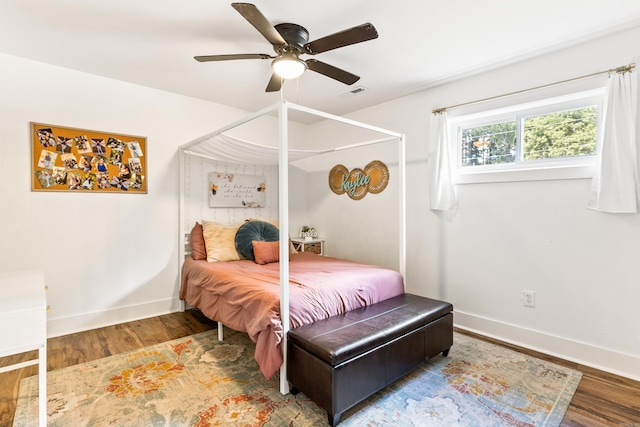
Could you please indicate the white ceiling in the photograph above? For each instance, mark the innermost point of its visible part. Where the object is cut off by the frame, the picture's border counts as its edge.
(421, 42)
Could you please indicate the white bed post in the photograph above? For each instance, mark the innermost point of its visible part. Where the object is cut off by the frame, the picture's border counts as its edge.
(181, 209)
(283, 212)
(403, 211)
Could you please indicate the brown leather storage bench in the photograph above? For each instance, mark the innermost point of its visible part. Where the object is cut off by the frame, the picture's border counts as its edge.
(340, 361)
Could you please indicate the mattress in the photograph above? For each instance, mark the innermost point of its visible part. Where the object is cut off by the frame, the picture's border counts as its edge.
(245, 296)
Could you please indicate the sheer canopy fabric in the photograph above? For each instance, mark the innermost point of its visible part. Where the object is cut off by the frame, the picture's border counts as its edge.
(225, 148)
(615, 186)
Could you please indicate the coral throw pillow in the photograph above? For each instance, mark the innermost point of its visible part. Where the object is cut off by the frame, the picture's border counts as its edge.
(196, 241)
(266, 252)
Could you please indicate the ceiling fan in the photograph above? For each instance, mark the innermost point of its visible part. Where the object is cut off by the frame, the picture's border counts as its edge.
(289, 41)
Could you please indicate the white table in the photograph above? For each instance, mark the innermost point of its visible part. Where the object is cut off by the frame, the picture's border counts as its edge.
(315, 245)
(23, 325)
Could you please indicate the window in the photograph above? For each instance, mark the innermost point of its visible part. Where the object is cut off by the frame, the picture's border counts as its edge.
(548, 139)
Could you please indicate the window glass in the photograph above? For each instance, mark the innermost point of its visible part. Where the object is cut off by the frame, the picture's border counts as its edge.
(488, 145)
(568, 133)
(543, 135)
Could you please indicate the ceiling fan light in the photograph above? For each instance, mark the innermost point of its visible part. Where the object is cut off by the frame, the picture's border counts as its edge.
(289, 67)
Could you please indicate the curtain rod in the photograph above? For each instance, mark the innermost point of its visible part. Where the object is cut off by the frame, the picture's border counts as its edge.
(621, 69)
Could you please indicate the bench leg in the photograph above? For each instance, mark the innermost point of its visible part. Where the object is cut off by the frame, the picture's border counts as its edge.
(446, 352)
(333, 419)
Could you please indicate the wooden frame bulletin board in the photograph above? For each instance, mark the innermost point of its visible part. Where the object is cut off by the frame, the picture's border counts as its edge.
(69, 159)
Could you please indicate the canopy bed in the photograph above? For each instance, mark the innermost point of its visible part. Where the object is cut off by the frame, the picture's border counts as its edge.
(220, 146)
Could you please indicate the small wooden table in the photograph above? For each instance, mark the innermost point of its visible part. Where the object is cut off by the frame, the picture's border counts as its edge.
(23, 325)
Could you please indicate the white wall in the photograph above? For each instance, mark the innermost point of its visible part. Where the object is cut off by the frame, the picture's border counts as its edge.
(197, 170)
(508, 237)
(365, 230)
(107, 258)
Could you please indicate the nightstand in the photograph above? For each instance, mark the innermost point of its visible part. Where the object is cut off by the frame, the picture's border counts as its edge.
(315, 246)
(23, 325)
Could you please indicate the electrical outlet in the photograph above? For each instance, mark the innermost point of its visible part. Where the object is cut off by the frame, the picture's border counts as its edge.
(528, 298)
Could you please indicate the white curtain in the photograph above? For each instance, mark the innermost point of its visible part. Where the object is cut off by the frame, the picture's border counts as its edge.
(443, 194)
(615, 186)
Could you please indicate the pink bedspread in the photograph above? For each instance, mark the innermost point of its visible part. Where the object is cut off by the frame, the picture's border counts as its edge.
(245, 296)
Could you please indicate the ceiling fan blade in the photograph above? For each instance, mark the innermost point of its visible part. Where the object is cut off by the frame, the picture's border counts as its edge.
(331, 71)
(207, 58)
(275, 83)
(354, 35)
(251, 13)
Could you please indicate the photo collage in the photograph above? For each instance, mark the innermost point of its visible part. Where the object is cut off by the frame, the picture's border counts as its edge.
(67, 159)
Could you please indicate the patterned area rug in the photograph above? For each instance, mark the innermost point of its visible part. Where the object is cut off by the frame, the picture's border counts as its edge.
(199, 381)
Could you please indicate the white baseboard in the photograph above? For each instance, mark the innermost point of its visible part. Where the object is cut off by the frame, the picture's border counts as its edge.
(626, 365)
(87, 321)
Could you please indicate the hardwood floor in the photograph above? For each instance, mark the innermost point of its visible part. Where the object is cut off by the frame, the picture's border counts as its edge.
(602, 399)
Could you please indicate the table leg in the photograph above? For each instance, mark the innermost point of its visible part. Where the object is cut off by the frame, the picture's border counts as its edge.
(42, 385)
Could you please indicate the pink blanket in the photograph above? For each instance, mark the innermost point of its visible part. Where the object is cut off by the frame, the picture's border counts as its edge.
(245, 296)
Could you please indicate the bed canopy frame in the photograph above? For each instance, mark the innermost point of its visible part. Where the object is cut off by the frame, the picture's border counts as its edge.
(218, 146)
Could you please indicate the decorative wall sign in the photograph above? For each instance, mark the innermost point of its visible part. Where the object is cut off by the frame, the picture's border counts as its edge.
(227, 190)
(69, 159)
(357, 183)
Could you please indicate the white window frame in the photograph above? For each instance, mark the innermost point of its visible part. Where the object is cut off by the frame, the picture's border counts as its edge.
(581, 167)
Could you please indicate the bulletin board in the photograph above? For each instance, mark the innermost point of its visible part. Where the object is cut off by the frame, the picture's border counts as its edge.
(80, 160)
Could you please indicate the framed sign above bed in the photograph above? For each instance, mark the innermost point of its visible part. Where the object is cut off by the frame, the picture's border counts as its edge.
(70, 159)
(228, 190)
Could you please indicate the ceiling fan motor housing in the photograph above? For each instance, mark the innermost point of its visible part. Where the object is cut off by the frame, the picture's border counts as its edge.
(295, 35)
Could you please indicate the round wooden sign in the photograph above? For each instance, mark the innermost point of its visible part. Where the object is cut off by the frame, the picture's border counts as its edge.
(335, 178)
(357, 183)
(359, 190)
(378, 176)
